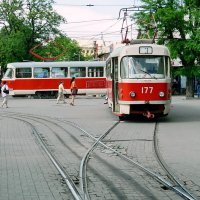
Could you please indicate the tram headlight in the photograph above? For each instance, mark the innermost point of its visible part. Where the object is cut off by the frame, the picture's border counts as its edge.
(161, 94)
(132, 94)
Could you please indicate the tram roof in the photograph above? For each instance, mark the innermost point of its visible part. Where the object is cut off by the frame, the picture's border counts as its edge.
(57, 64)
(133, 49)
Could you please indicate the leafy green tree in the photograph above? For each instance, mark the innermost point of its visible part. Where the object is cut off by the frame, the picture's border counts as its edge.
(177, 23)
(12, 47)
(73, 49)
(42, 20)
(25, 23)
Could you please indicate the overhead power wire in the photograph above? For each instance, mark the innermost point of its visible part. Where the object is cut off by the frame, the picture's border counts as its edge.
(103, 32)
(90, 23)
(88, 5)
(94, 20)
(98, 36)
(94, 36)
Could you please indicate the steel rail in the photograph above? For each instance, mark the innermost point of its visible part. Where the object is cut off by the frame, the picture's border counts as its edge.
(83, 165)
(161, 180)
(179, 187)
(76, 194)
(149, 172)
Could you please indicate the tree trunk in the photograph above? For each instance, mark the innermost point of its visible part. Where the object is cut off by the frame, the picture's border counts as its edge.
(190, 87)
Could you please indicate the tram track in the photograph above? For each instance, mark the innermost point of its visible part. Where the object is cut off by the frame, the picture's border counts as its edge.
(83, 192)
(59, 167)
(83, 166)
(66, 177)
(45, 143)
(177, 186)
(172, 183)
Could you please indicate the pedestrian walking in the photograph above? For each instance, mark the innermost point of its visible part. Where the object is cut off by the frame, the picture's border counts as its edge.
(61, 92)
(4, 93)
(74, 90)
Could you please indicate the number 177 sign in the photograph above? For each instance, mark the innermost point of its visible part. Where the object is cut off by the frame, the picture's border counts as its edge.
(147, 90)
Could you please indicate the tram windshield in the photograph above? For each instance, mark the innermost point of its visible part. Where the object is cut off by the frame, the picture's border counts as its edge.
(9, 73)
(145, 67)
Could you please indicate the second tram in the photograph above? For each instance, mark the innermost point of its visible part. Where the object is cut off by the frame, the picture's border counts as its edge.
(42, 78)
(139, 80)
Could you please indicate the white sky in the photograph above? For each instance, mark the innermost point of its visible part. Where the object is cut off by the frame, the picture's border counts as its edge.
(76, 11)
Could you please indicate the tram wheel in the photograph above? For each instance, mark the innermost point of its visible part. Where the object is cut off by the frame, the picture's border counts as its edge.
(121, 118)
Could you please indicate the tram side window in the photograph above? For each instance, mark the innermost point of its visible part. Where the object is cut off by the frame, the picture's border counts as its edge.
(9, 73)
(124, 68)
(41, 72)
(108, 69)
(77, 71)
(95, 71)
(160, 66)
(59, 72)
(23, 73)
(167, 66)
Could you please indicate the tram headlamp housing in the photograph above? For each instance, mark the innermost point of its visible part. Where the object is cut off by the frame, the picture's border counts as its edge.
(132, 94)
(161, 94)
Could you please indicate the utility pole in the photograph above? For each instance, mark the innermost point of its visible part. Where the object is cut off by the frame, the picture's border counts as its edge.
(95, 47)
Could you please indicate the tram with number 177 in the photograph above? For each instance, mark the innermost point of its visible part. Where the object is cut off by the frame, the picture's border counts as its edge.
(139, 80)
(42, 78)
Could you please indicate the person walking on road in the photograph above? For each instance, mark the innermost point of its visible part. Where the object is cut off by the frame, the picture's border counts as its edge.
(4, 93)
(74, 90)
(61, 93)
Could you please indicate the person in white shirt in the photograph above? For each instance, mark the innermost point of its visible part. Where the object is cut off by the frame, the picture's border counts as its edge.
(4, 94)
(61, 93)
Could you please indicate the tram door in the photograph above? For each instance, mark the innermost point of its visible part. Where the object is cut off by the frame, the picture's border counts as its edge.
(115, 84)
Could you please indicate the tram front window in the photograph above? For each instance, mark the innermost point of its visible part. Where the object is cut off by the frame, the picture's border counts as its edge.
(9, 73)
(143, 67)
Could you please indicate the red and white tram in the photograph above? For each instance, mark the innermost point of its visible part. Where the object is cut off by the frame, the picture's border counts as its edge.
(138, 80)
(43, 78)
